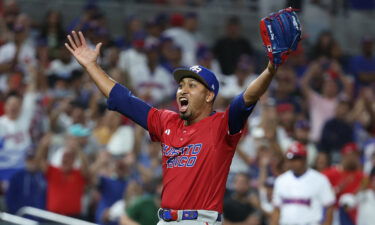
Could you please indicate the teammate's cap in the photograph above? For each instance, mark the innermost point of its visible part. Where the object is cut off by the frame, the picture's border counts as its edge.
(349, 148)
(296, 150)
(200, 73)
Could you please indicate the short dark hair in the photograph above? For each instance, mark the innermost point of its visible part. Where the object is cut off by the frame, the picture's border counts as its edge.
(13, 94)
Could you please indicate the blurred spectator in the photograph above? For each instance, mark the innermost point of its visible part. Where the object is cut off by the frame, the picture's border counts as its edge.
(154, 28)
(110, 186)
(17, 55)
(284, 89)
(244, 156)
(235, 84)
(366, 201)
(110, 63)
(133, 56)
(286, 120)
(322, 162)
(152, 82)
(239, 203)
(52, 33)
(206, 59)
(301, 134)
(63, 65)
(15, 125)
(65, 184)
(27, 187)
(122, 139)
(79, 135)
(171, 55)
(10, 13)
(183, 32)
(144, 210)
(298, 60)
(68, 113)
(323, 46)
(347, 177)
(363, 115)
(148, 156)
(133, 30)
(265, 198)
(303, 191)
(363, 66)
(328, 97)
(229, 48)
(337, 131)
(89, 12)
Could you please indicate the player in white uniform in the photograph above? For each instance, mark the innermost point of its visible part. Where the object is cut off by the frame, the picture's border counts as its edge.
(301, 195)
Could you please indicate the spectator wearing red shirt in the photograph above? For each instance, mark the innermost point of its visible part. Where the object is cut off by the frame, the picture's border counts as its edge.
(346, 178)
(65, 184)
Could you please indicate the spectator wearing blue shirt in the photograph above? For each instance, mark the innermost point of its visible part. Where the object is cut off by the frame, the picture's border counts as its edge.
(27, 187)
(110, 184)
(363, 66)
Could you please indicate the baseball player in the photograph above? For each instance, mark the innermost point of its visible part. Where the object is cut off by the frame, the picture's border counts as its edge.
(301, 195)
(197, 143)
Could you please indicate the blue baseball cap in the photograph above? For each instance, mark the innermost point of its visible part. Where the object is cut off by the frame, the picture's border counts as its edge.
(200, 73)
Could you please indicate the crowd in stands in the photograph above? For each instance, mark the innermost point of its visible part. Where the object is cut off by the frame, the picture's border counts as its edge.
(61, 150)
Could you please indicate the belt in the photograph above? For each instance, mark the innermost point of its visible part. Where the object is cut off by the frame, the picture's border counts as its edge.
(173, 215)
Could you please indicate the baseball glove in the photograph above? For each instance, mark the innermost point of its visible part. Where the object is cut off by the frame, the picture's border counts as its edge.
(280, 33)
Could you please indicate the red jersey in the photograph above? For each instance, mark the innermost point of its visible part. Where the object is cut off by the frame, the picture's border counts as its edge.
(64, 191)
(196, 159)
(347, 181)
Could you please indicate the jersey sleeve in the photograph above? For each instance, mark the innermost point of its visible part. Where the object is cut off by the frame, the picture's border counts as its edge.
(326, 194)
(156, 123)
(238, 114)
(123, 101)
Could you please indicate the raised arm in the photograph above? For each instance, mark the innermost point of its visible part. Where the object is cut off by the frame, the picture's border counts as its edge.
(42, 151)
(87, 57)
(313, 69)
(120, 99)
(258, 86)
(280, 32)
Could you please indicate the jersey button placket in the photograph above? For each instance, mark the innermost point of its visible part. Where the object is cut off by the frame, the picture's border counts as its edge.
(183, 134)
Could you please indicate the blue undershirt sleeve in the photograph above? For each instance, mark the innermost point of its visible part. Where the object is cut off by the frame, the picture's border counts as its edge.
(238, 114)
(123, 101)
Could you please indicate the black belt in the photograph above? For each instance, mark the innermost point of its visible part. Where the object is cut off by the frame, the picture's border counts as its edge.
(172, 215)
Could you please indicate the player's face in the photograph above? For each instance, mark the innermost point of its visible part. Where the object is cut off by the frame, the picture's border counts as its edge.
(191, 98)
(297, 165)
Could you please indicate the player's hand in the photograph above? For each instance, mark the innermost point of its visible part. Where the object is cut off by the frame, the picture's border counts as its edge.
(81, 51)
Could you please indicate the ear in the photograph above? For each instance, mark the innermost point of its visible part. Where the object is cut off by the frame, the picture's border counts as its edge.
(210, 96)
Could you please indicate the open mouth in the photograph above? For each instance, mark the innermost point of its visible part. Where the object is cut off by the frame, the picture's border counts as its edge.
(184, 102)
